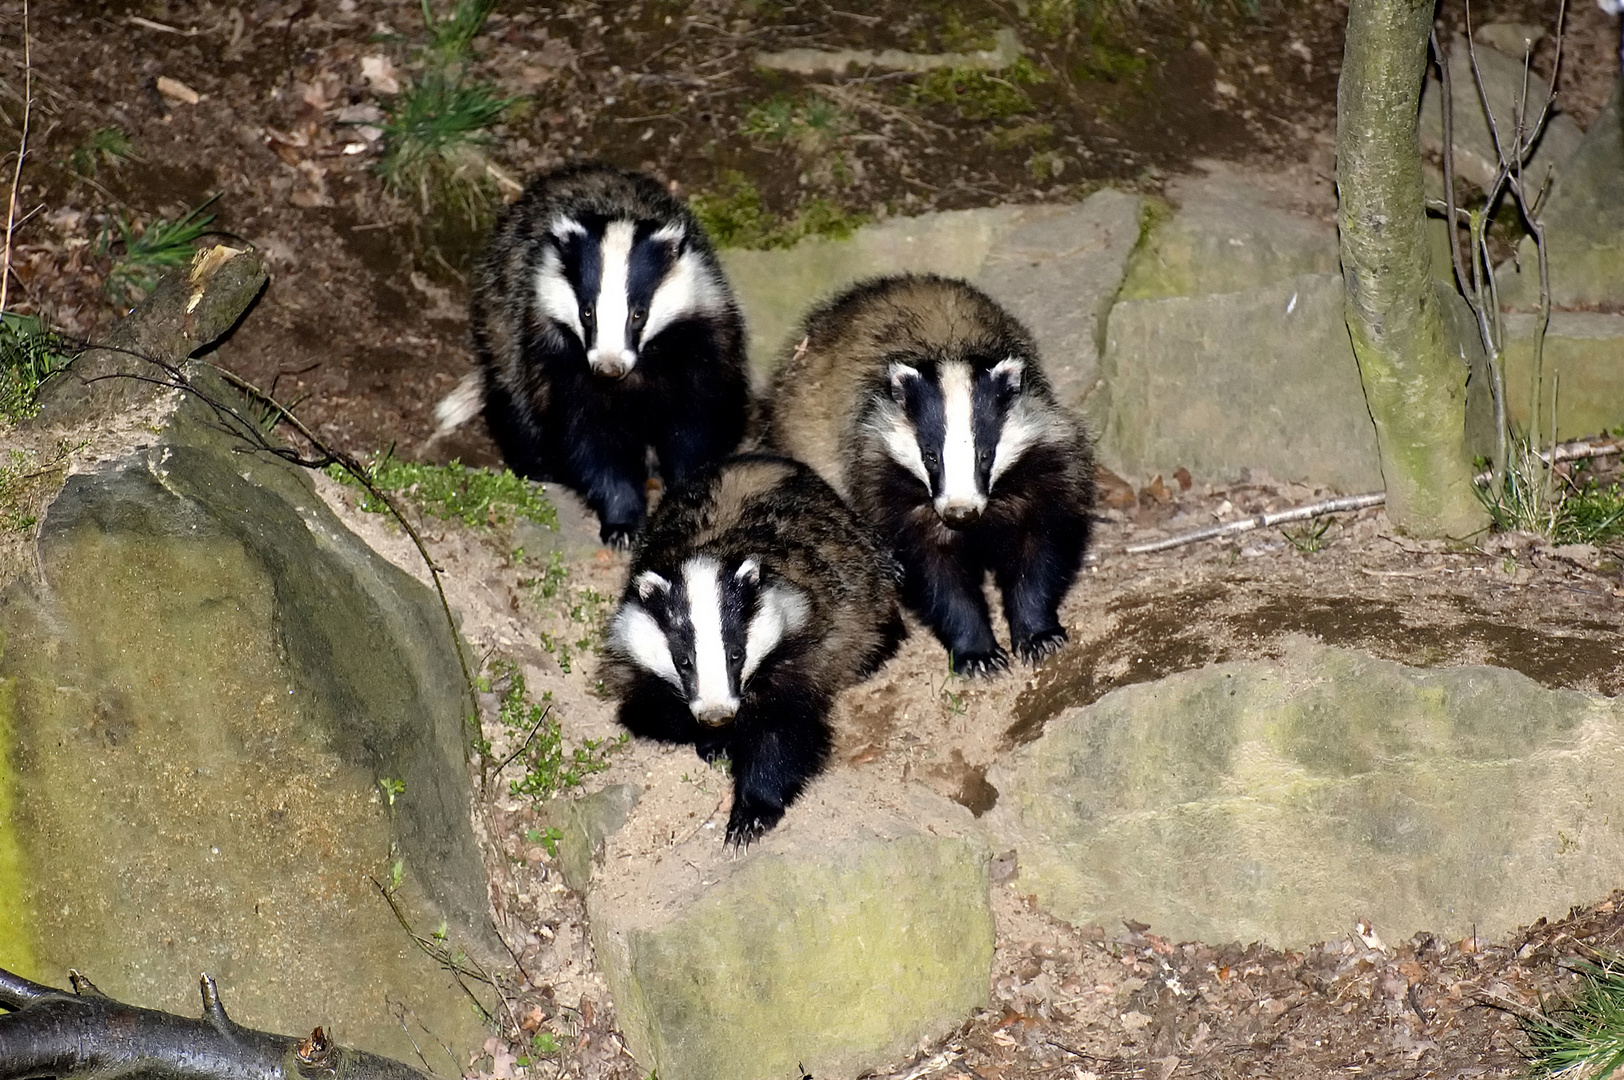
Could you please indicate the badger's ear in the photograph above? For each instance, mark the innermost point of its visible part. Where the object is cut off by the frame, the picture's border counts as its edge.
(749, 571)
(672, 234)
(901, 375)
(1009, 372)
(649, 583)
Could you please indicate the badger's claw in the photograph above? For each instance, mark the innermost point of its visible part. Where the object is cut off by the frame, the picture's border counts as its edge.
(981, 665)
(747, 823)
(618, 537)
(1033, 649)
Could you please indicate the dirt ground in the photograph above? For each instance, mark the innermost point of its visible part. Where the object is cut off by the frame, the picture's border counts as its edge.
(363, 325)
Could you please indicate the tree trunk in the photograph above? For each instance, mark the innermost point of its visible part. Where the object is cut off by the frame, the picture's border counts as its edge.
(1414, 384)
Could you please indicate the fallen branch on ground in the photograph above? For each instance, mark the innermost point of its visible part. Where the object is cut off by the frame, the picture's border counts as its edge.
(1566, 452)
(85, 1034)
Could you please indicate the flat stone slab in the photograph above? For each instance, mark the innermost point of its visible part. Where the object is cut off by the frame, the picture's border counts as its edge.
(1584, 226)
(1056, 267)
(846, 935)
(1259, 379)
(1282, 800)
(1583, 371)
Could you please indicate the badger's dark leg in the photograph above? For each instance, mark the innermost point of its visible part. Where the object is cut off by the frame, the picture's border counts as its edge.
(780, 741)
(651, 710)
(943, 586)
(1034, 565)
(521, 450)
(607, 461)
(892, 634)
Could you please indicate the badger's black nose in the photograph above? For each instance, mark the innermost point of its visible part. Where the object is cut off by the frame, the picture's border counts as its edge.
(960, 516)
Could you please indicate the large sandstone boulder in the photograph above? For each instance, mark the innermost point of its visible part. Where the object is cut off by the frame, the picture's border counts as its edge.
(201, 687)
(839, 941)
(1056, 267)
(1282, 800)
(1582, 369)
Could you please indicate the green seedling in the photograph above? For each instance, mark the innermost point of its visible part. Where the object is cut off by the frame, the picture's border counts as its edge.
(30, 353)
(1310, 537)
(981, 95)
(105, 146)
(1582, 1037)
(435, 136)
(150, 250)
(809, 123)
(549, 766)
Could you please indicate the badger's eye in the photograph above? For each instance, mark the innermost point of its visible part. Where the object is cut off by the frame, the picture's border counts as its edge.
(638, 315)
(984, 457)
(930, 459)
(586, 314)
(685, 665)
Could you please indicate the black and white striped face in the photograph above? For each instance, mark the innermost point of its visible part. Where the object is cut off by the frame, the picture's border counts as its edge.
(615, 283)
(706, 630)
(957, 427)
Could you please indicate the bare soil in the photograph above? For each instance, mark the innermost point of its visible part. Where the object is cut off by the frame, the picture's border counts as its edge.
(363, 325)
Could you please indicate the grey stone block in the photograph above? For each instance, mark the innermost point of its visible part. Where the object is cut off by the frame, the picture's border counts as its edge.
(1282, 800)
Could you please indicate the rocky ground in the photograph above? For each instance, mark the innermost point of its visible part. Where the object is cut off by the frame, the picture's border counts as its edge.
(363, 325)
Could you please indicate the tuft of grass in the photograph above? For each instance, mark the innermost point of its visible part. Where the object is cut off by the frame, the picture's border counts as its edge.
(1581, 1038)
(809, 123)
(105, 146)
(549, 766)
(1106, 63)
(30, 353)
(149, 250)
(1576, 509)
(435, 139)
(982, 95)
(733, 215)
(454, 491)
(436, 131)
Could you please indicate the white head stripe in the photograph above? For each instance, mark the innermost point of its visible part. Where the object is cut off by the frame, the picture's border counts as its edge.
(555, 297)
(688, 288)
(1024, 428)
(635, 635)
(712, 687)
(890, 424)
(958, 438)
(782, 611)
(610, 304)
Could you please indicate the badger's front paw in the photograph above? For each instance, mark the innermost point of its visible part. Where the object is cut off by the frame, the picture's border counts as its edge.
(981, 665)
(749, 820)
(1035, 647)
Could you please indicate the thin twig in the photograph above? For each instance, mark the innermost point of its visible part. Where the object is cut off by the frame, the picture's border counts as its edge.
(22, 152)
(1261, 521)
(526, 744)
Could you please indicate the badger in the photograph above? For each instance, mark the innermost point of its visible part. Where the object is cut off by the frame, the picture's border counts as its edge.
(604, 330)
(754, 597)
(923, 402)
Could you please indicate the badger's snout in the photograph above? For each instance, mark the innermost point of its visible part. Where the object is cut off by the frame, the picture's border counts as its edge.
(714, 713)
(960, 513)
(612, 364)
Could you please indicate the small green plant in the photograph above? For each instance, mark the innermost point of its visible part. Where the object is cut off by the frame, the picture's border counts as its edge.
(809, 123)
(733, 215)
(1309, 537)
(454, 492)
(549, 767)
(553, 576)
(392, 789)
(982, 95)
(435, 140)
(548, 838)
(151, 249)
(1581, 1038)
(437, 130)
(1102, 62)
(1564, 510)
(30, 353)
(545, 1042)
(105, 146)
